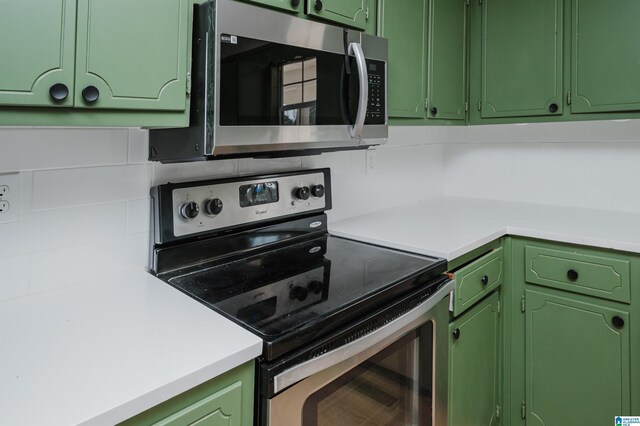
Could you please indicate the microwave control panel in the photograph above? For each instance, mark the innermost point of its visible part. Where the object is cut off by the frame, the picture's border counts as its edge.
(376, 109)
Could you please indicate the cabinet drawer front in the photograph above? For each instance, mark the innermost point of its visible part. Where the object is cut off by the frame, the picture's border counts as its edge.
(593, 275)
(477, 279)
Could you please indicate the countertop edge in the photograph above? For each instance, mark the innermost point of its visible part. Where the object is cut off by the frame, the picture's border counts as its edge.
(172, 389)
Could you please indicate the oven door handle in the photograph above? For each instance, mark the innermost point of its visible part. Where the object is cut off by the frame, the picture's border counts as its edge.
(355, 131)
(382, 336)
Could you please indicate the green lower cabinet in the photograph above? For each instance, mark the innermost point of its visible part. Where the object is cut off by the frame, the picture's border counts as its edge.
(474, 353)
(577, 360)
(572, 344)
(224, 401)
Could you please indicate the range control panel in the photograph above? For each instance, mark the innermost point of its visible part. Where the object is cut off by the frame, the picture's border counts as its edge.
(205, 206)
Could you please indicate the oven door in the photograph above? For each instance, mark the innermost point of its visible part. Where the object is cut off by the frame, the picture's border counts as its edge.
(397, 375)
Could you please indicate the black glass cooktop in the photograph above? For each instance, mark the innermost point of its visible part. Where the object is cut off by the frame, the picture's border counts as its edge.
(293, 294)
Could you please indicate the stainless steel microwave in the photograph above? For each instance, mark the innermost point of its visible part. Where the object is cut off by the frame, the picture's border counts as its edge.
(265, 83)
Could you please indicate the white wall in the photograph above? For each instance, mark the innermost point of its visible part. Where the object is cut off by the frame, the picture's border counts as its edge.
(584, 164)
(84, 195)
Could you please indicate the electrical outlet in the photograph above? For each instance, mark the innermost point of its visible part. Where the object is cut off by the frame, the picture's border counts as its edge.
(9, 197)
(371, 161)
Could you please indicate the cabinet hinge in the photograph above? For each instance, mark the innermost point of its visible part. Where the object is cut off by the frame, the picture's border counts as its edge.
(466, 2)
(426, 103)
(480, 2)
(466, 106)
(366, 13)
(568, 98)
(523, 410)
(480, 105)
(188, 83)
(497, 411)
(499, 307)
(523, 304)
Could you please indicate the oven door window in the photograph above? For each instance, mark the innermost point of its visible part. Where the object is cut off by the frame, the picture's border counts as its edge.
(394, 387)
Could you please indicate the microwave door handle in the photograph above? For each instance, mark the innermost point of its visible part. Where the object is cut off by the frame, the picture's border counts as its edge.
(356, 130)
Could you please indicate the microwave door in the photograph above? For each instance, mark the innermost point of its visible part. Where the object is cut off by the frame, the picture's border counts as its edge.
(264, 83)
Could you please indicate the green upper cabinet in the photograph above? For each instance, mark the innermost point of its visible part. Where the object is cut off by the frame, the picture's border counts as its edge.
(359, 14)
(287, 5)
(605, 58)
(37, 48)
(474, 351)
(125, 65)
(427, 76)
(577, 360)
(447, 59)
(405, 27)
(522, 57)
(353, 13)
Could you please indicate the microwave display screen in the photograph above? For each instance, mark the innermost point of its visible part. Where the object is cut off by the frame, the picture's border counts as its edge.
(258, 193)
(269, 84)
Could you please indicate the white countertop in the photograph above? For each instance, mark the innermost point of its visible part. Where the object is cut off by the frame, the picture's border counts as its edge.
(449, 227)
(101, 352)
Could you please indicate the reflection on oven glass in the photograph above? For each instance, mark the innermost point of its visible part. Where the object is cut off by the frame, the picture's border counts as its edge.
(390, 388)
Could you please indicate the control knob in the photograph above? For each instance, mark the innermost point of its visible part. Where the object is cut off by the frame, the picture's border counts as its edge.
(317, 190)
(299, 293)
(315, 287)
(189, 210)
(302, 193)
(213, 206)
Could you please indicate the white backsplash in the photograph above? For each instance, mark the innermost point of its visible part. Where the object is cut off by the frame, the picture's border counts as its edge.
(581, 164)
(84, 193)
(85, 207)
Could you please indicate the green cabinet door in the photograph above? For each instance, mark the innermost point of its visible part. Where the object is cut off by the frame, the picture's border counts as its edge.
(287, 5)
(37, 48)
(577, 360)
(226, 400)
(522, 58)
(132, 54)
(353, 13)
(605, 58)
(474, 341)
(223, 408)
(447, 51)
(405, 27)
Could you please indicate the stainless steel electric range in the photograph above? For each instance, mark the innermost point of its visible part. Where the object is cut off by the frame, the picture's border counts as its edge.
(352, 332)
